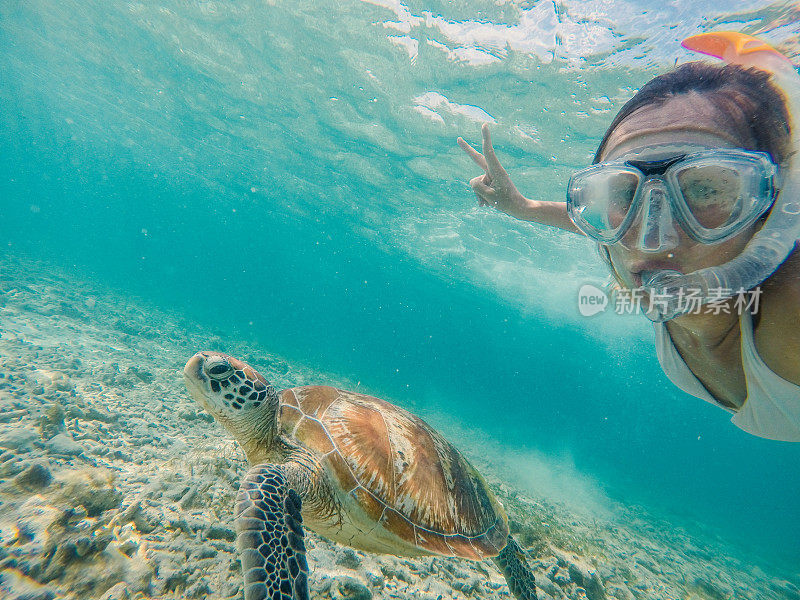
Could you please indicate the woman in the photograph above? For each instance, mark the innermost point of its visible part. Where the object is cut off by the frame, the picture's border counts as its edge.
(694, 191)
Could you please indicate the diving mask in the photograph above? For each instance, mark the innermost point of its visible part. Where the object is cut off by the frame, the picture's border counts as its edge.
(713, 194)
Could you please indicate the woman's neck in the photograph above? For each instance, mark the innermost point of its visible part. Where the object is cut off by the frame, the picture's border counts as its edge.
(706, 330)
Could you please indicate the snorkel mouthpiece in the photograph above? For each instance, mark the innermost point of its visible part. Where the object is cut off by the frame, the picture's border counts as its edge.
(773, 243)
(664, 288)
(670, 295)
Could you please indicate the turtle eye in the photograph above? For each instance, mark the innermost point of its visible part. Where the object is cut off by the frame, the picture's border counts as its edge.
(218, 368)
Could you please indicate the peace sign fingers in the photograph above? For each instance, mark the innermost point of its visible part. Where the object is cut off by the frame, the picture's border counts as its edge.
(493, 167)
(474, 154)
(495, 187)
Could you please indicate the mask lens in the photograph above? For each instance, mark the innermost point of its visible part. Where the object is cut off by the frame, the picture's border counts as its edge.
(714, 194)
(603, 198)
(621, 188)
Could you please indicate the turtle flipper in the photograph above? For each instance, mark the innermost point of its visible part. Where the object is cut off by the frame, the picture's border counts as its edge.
(270, 536)
(514, 566)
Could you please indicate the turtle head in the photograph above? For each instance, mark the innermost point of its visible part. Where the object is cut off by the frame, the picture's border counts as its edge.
(236, 395)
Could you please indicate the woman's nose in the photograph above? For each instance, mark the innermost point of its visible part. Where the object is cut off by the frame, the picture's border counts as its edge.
(653, 229)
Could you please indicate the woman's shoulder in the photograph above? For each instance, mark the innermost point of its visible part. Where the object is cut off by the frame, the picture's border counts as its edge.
(777, 334)
(781, 290)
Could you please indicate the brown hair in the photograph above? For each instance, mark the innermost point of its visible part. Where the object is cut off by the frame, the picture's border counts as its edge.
(749, 101)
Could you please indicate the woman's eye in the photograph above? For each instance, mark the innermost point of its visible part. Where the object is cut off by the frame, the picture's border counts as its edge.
(621, 190)
(708, 184)
(700, 192)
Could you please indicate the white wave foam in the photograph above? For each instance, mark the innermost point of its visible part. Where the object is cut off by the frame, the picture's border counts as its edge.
(408, 43)
(435, 101)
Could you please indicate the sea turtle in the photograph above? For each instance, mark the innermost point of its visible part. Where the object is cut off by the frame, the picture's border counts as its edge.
(353, 468)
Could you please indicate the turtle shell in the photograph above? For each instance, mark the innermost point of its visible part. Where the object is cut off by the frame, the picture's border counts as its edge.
(403, 473)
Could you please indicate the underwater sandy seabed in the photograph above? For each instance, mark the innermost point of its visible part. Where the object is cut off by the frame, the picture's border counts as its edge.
(115, 485)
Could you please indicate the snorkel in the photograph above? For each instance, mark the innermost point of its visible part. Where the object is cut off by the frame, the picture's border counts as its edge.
(773, 243)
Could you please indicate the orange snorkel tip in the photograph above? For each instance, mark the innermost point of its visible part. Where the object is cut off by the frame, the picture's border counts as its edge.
(727, 45)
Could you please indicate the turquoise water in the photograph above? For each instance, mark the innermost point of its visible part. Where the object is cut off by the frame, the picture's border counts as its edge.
(290, 174)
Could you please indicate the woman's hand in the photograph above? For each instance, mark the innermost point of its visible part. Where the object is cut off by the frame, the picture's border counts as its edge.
(494, 187)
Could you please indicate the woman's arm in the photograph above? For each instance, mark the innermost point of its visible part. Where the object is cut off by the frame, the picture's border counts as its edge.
(495, 188)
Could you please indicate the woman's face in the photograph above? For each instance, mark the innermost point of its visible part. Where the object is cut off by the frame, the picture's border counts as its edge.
(688, 120)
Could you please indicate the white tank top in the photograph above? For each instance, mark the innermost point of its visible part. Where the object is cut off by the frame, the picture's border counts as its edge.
(772, 406)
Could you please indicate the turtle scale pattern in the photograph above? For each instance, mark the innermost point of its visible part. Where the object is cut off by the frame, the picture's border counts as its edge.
(276, 535)
(407, 478)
